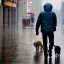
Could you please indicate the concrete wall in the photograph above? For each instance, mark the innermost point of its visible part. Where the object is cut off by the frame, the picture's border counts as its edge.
(1, 17)
(6, 15)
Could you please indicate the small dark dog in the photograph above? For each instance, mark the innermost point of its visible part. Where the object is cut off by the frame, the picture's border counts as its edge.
(57, 50)
(38, 45)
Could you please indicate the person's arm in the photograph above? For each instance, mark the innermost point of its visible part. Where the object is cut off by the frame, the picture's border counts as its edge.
(55, 19)
(38, 23)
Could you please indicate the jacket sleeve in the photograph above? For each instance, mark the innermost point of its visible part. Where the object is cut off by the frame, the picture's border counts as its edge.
(38, 23)
(54, 19)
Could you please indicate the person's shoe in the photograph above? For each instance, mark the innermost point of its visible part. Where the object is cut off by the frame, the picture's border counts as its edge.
(50, 53)
(46, 56)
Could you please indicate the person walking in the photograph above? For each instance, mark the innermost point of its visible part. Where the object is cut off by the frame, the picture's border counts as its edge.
(48, 21)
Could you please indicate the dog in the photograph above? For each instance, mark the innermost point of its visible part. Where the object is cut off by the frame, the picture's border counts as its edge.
(57, 50)
(38, 45)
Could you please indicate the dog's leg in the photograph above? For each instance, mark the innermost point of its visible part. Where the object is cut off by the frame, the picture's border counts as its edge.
(41, 46)
(36, 48)
(58, 54)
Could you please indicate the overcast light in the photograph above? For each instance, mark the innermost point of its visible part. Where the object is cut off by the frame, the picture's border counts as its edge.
(56, 3)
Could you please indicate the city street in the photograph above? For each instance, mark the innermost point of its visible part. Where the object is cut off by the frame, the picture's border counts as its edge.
(16, 46)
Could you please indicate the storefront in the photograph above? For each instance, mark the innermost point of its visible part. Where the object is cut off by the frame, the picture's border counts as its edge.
(9, 12)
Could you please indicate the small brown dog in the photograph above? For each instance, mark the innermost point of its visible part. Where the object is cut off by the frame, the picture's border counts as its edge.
(38, 45)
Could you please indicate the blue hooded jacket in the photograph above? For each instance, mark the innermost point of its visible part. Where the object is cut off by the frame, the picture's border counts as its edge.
(47, 19)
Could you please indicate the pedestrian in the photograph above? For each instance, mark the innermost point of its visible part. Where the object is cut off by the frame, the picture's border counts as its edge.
(48, 21)
(32, 19)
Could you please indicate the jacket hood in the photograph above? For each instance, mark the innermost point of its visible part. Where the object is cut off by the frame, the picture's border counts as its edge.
(48, 7)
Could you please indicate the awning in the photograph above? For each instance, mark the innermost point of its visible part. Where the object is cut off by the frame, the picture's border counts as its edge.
(30, 13)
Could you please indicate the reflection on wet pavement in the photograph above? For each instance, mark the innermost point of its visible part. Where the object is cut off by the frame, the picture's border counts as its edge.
(16, 46)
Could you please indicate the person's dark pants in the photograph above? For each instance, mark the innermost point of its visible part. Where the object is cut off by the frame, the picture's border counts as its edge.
(50, 36)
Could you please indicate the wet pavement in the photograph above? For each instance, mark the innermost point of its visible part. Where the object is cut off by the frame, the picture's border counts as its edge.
(16, 46)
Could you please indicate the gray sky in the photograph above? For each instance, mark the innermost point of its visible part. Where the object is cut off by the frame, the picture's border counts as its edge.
(56, 3)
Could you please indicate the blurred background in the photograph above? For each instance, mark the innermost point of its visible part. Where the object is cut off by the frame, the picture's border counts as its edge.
(17, 31)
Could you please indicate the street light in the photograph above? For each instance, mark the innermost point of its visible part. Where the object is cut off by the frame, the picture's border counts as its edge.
(30, 2)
